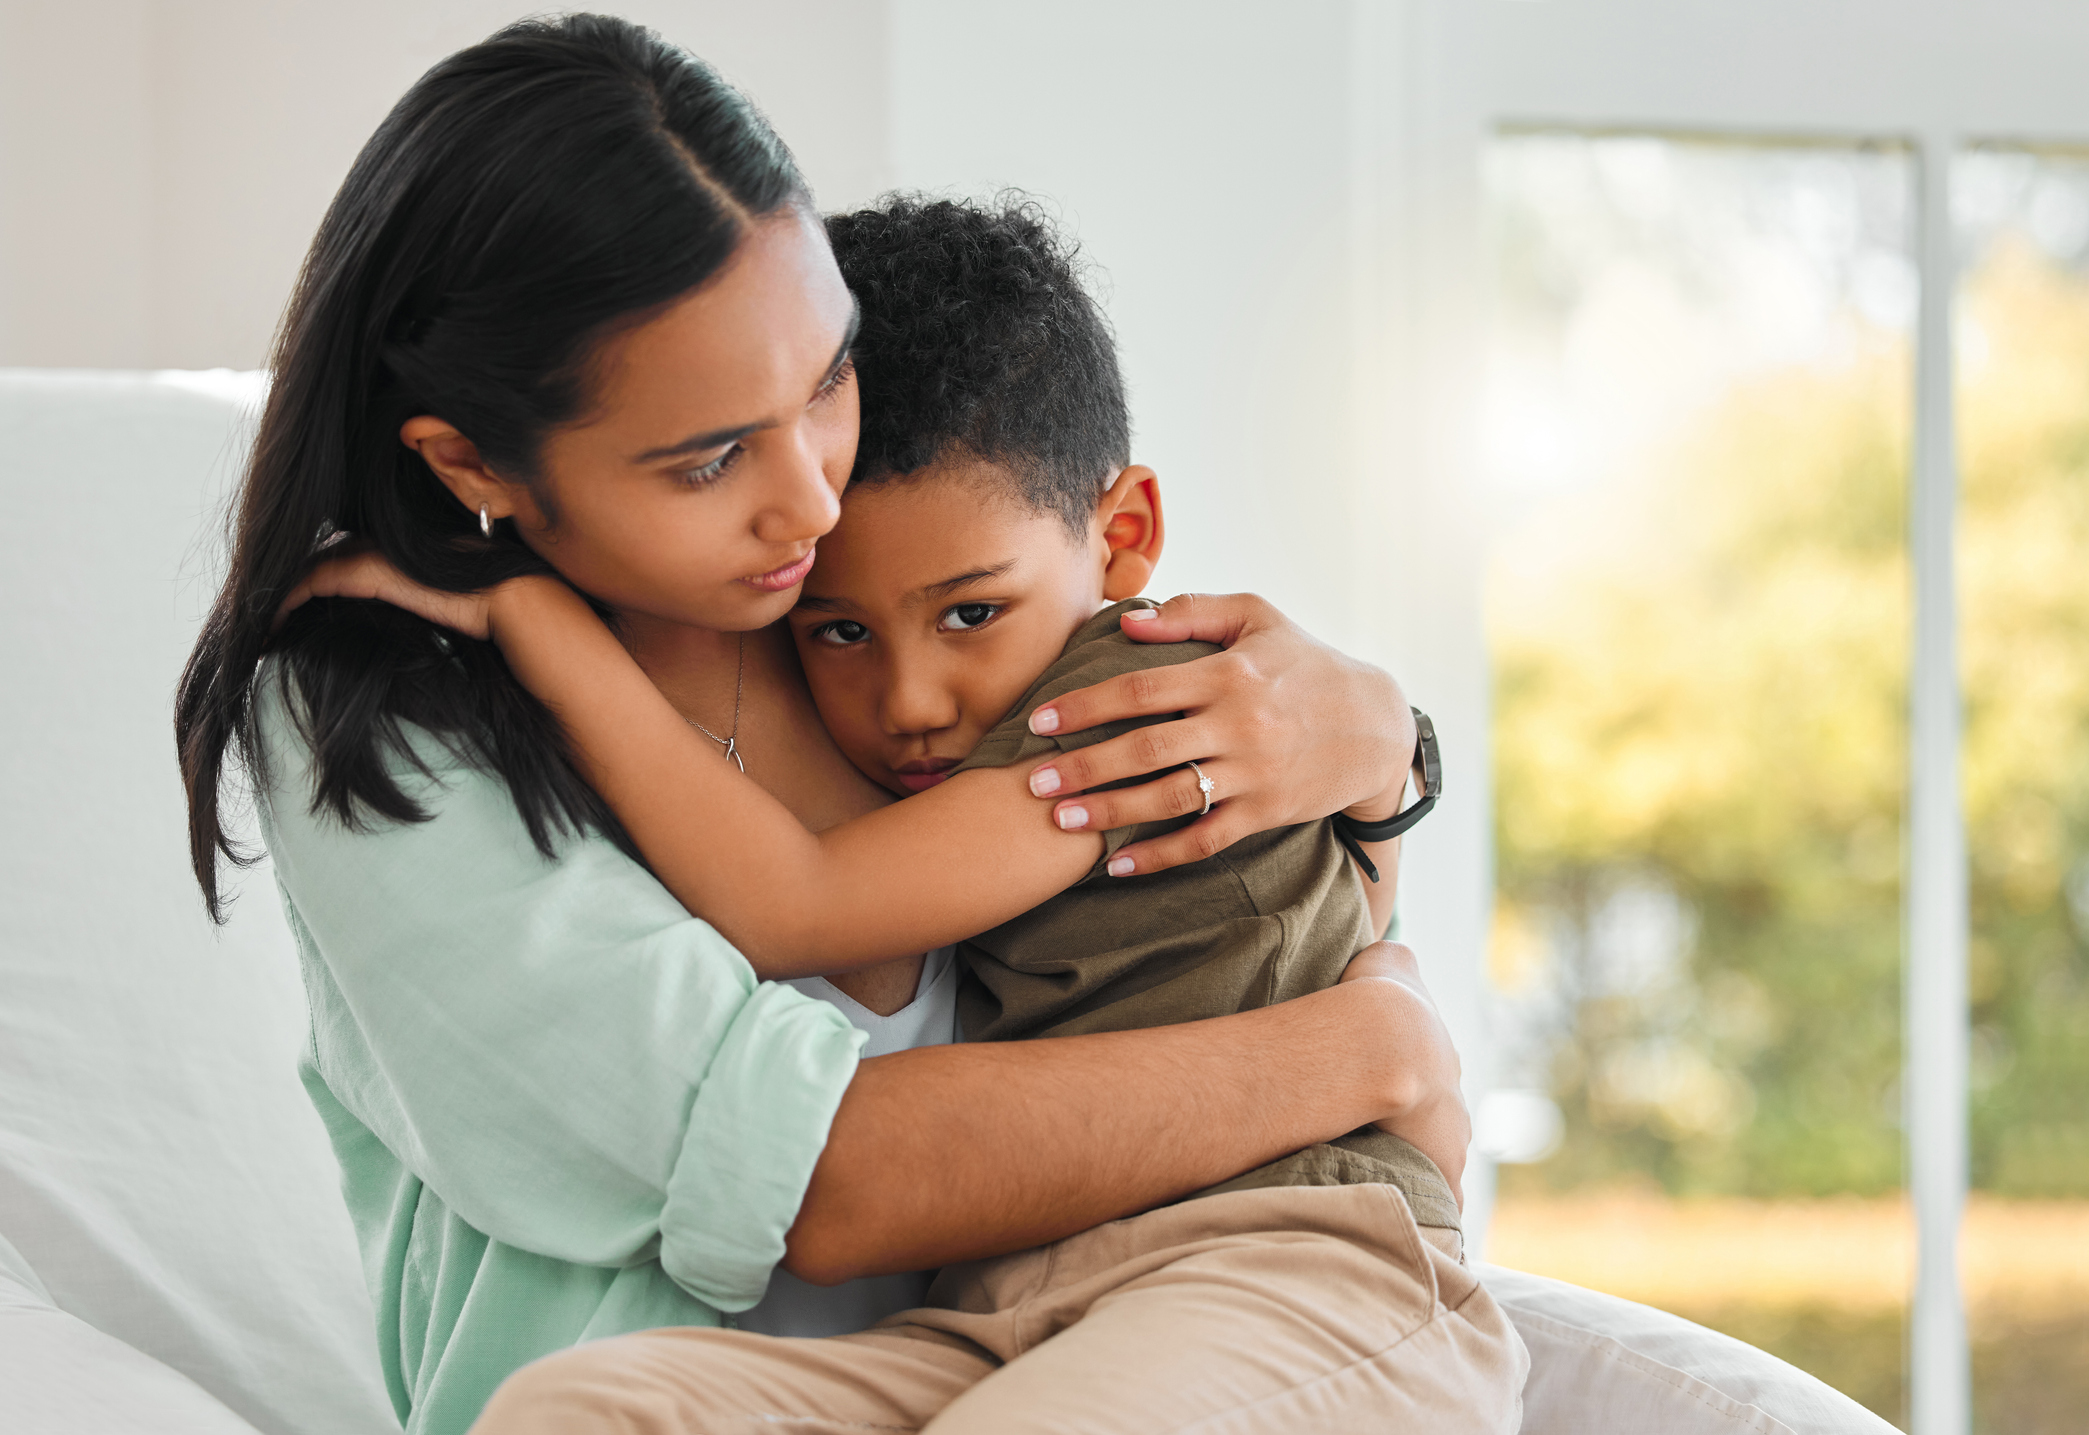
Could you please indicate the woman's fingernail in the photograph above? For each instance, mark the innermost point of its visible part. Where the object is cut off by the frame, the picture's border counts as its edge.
(1044, 782)
(1044, 720)
(1072, 817)
(1142, 615)
(1121, 866)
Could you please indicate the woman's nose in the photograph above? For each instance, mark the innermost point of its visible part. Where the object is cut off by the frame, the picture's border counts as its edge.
(803, 504)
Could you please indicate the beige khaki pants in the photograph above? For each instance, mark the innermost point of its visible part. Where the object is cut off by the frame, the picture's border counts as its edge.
(1293, 1310)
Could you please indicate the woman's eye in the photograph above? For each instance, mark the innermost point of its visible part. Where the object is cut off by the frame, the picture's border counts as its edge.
(843, 634)
(712, 471)
(967, 616)
(837, 379)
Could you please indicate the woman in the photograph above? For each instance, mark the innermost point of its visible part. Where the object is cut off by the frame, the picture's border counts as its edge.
(563, 1108)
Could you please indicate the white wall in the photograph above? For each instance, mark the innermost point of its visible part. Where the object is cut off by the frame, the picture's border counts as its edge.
(75, 183)
(164, 163)
(1202, 162)
(2003, 68)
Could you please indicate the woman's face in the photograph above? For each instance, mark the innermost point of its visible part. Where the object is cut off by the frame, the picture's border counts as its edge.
(719, 440)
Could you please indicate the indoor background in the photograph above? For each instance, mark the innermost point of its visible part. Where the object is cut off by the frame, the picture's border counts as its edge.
(1689, 400)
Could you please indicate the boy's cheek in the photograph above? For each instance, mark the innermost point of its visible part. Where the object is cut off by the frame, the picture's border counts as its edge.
(851, 716)
(864, 745)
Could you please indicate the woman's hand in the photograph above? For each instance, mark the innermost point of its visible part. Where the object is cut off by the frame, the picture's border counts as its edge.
(352, 572)
(1432, 1117)
(1286, 728)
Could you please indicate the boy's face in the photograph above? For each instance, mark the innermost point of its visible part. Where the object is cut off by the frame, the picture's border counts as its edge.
(933, 606)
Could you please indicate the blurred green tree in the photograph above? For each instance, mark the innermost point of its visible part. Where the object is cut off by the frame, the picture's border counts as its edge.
(1700, 759)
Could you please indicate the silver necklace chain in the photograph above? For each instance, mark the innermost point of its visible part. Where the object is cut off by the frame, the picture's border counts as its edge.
(731, 743)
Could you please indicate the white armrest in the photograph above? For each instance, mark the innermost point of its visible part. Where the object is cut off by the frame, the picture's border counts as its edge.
(1601, 1363)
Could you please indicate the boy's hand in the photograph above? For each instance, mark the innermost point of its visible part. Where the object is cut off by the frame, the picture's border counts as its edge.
(1435, 1121)
(1286, 728)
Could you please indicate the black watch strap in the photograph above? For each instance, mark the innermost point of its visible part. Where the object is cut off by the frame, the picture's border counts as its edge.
(1428, 769)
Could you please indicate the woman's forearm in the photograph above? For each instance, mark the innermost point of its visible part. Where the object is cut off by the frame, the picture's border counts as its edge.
(957, 1152)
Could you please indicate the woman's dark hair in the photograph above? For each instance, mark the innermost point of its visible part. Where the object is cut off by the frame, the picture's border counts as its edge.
(529, 198)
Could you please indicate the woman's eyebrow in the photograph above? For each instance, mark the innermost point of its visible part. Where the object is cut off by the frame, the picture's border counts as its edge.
(719, 438)
(697, 443)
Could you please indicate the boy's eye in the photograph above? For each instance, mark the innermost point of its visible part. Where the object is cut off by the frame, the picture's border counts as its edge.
(842, 634)
(966, 616)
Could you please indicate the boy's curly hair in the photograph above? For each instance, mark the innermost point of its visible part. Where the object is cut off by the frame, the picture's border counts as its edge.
(977, 332)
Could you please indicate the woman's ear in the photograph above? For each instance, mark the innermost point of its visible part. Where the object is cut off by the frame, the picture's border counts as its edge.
(1132, 532)
(455, 460)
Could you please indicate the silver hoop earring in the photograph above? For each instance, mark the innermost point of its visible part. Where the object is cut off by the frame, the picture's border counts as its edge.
(485, 522)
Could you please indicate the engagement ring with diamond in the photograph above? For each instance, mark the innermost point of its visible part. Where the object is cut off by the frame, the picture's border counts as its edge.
(1204, 785)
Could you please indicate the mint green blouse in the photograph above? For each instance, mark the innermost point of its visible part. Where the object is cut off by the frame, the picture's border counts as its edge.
(563, 1107)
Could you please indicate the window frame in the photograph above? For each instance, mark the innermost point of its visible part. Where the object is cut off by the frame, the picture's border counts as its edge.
(1433, 80)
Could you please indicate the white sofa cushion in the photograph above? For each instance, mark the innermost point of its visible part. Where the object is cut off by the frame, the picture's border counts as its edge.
(1601, 1364)
(61, 1376)
(160, 1166)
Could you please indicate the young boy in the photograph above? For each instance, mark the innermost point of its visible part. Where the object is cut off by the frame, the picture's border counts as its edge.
(991, 516)
(991, 538)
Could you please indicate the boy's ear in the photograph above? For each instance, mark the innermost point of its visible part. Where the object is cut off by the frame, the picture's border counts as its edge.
(455, 460)
(1132, 532)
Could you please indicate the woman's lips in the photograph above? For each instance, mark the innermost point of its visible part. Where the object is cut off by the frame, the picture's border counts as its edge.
(788, 576)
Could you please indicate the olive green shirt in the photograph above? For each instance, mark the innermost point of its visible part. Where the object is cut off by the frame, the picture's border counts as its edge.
(1275, 916)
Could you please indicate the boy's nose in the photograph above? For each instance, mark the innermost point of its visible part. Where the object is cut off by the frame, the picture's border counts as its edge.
(916, 701)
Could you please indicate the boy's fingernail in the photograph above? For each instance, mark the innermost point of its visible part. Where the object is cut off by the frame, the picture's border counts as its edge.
(1044, 782)
(1142, 615)
(1044, 720)
(1072, 817)
(1121, 866)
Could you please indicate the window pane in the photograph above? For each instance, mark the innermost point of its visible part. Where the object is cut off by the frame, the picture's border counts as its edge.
(1698, 617)
(2023, 401)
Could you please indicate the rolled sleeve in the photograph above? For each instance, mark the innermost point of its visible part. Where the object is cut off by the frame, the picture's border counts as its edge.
(756, 1130)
